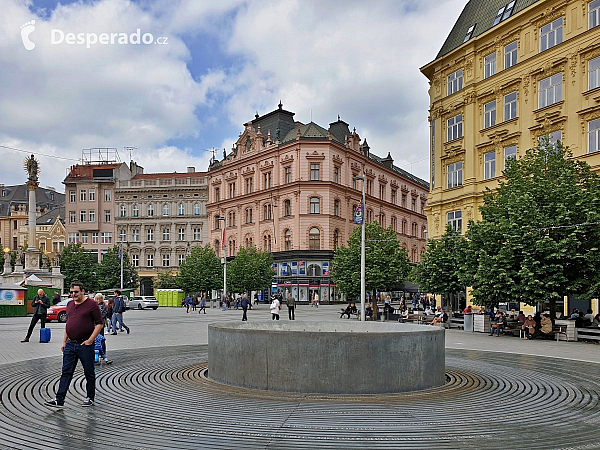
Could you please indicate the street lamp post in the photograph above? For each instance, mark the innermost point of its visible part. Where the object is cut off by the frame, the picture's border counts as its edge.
(362, 251)
(121, 254)
(224, 246)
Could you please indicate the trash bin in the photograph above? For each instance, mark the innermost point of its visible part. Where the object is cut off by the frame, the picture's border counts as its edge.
(468, 324)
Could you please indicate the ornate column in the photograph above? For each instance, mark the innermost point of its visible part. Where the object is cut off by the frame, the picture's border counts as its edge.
(32, 255)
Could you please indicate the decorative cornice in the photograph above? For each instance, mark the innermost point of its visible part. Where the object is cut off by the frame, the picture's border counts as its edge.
(287, 159)
(315, 155)
(337, 159)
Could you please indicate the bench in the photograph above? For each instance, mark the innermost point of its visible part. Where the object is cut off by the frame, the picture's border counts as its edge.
(589, 333)
(457, 322)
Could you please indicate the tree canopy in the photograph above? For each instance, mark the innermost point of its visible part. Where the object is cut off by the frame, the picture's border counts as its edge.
(77, 265)
(251, 270)
(200, 271)
(166, 280)
(109, 271)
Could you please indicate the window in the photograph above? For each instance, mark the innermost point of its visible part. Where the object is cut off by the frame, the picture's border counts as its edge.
(267, 212)
(509, 152)
(314, 205)
(551, 34)
(454, 218)
(107, 195)
(73, 238)
(123, 211)
(288, 240)
(550, 90)
(455, 174)
(232, 219)
(455, 127)
(181, 210)
(166, 209)
(82, 216)
(122, 235)
(249, 185)
(594, 13)
(404, 200)
(382, 192)
(248, 215)
(353, 181)
(72, 197)
(217, 223)
(196, 233)
(106, 237)
(165, 260)
(217, 194)
(489, 115)
(267, 180)
(413, 205)
(336, 208)
(287, 208)
(107, 215)
(92, 195)
(594, 72)
(267, 242)
(84, 238)
(231, 190)
(180, 258)
(336, 174)
(150, 210)
(135, 260)
(469, 34)
(499, 16)
(181, 234)
(369, 215)
(455, 81)
(509, 9)
(594, 136)
(83, 195)
(72, 218)
(166, 234)
(510, 106)
(489, 63)
(136, 210)
(314, 239)
(489, 165)
(135, 235)
(94, 237)
(394, 194)
(196, 209)
(149, 234)
(510, 55)
(249, 242)
(150, 260)
(552, 137)
(314, 172)
(394, 224)
(92, 215)
(288, 175)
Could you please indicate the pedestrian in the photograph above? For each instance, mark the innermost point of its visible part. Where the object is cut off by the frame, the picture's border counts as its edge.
(275, 307)
(99, 299)
(317, 299)
(84, 322)
(187, 303)
(56, 299)
(118, 310)
(245, 303)
(202, 304)
(194, 302)
(291, 304)
(40, 304)
(109, 314)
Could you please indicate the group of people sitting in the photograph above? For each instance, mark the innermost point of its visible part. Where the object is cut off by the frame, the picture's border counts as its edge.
(533, 326)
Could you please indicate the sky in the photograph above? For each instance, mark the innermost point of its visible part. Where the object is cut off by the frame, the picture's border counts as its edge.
(208, 68)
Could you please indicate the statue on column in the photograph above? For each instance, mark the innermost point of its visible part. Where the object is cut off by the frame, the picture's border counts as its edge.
(32, 168)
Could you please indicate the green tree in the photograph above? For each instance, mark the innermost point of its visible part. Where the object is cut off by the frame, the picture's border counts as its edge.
(200, 271)
(251, 270)
(109, 271)
(539, 238)
(166, 280)
(439, 269)
(78, 265)
(386, 262)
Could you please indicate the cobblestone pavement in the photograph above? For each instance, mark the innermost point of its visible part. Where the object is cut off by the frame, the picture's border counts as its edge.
(506, 394)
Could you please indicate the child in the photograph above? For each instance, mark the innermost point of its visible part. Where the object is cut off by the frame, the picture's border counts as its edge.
(100, 345)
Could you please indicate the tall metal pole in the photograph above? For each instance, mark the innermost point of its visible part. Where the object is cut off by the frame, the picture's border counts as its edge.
(362, 255)
(121, 256)
(224, 247)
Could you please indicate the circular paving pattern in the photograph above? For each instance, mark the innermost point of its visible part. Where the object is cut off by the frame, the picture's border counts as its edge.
(161, 398)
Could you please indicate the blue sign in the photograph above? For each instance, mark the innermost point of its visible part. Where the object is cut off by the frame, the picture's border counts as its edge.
(358, 215)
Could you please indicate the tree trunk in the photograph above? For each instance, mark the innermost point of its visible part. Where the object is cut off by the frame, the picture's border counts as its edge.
(374, 305)
(552, 302)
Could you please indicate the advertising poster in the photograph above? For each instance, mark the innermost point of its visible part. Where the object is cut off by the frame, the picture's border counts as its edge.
(10, 297)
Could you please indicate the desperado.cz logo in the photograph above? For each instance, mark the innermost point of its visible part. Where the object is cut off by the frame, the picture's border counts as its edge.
(58, 37)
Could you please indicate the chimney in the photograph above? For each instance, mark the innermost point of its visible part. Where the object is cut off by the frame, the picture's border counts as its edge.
(191, 169)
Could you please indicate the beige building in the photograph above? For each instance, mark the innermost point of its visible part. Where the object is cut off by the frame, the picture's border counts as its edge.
(509, 73)
(288, 187)
(50, 232)
(161, 216)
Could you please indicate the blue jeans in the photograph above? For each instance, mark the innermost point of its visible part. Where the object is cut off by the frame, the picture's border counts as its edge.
(118, 317)
(76, 352)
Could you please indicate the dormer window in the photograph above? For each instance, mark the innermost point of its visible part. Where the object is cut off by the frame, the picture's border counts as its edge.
(504, 12)
(469, 33)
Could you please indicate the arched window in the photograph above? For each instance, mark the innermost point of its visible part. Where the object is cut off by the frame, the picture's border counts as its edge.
(196, 209)
(336, 208)
(288, 240)
(267, 212)
(287, 208)
(136, 210)
(181, 210)
(166, 209)
(336, 239)
(150, 210)
(315, 206)
(314, 239)
(267, 242)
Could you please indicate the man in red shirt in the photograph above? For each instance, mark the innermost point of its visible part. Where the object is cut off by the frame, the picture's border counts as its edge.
(84, 322)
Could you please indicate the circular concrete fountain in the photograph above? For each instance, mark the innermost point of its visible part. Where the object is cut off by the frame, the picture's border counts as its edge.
(327, 357)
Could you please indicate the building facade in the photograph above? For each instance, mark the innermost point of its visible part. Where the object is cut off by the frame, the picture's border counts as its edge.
(14, 212)
(509, 73)
(288, 188)
(160, 217)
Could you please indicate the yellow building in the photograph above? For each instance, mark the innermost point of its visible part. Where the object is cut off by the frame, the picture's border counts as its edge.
(508, 73)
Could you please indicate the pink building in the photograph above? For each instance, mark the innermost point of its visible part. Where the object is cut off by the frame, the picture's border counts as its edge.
(288, 187)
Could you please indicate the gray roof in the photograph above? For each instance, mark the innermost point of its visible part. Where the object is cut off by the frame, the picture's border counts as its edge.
(400, 171)
(310, 130)
(50, 216)
(17, 195)
(482, 14)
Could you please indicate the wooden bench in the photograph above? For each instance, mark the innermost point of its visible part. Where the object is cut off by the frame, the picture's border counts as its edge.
(590, 333)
